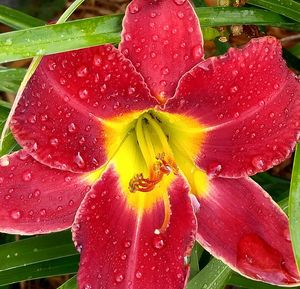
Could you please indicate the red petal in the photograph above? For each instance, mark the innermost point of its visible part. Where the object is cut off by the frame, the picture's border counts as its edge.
(58, 118)
(250, 103)
(166, 42)
(36, 199)
(119, 248)
(240, 224)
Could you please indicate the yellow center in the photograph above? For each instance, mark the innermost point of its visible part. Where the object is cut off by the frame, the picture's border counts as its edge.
(148, 150)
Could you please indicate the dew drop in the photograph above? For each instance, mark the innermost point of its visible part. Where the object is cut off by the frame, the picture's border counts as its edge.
(158, 242)
(82, 71)
(165, 71)
(180, 15)
(119, 278)
(83, 93)
(286, 234)
(15, 215)
(214, 169)
(234, 89)
(123, 257)
(4, 161)
(51, 65)
(54, 141)
(179, 2)
(258, 162)
(37, 193)
(127, 244)
(27, 176)
(138, 275)
(79, 160)
(43, 212)
(197, 51)
(97, 60)
(133, 9)
(131, 90)
(71, 127)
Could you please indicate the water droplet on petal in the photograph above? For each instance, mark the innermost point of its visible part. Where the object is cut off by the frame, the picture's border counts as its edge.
(258, 162)
(15, 215)
(71, 127)
(51, 65)
(43, 212)
(214, 169)
(4, 161)
(79, 160)
(138, 275)
(82, 71)
(83, 93)
(54, 141)
(165, 71)
(27, 176)
(133, 9)
(180, 15)
(158, 242)
(179, 2)
(197, 52)
(97, 60)
(119, 278)
(127, 244)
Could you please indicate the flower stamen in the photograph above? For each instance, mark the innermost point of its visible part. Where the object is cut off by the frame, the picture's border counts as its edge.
(159, 169)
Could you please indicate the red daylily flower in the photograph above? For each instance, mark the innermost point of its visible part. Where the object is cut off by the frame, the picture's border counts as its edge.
(151, 147)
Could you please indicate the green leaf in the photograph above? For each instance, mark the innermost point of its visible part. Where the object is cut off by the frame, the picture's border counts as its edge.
(292, 60)
(56, 267)
(70, 284)
(288, 8)
(18, 20)
(35, 250)
(44, 9)
(106, 29)
(214, 276)
(9, 143)
(294, 206)
(11, 78)
(195, 257)
(278, 188)
(37, 257)
(295, 50)
(242, 282)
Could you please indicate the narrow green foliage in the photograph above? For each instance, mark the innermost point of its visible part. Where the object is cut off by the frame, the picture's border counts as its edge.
(11, 78)
(70, 284)
(294, 206)
(106, 29)
(288, 8)
(18, 20)
(214, 276)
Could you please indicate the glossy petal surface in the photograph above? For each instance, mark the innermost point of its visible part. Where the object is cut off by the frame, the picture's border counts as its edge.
(240, 224)
(250, 103)
(129, 254)
(59, 119)
(36, 199)
(163, 40)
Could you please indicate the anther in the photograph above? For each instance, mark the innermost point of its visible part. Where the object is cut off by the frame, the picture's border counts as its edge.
(159, 169)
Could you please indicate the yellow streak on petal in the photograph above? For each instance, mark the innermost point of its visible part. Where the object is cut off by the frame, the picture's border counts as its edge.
(186, 136)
